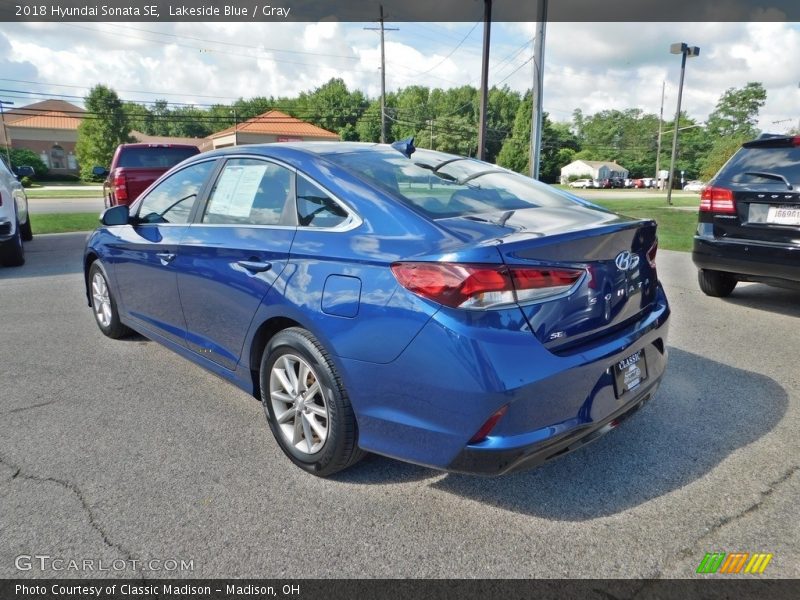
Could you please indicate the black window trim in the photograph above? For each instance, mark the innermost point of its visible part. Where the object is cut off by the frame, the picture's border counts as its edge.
(137, 205)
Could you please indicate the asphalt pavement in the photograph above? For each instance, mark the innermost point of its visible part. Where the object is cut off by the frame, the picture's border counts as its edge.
(64, 205)
(123, 450)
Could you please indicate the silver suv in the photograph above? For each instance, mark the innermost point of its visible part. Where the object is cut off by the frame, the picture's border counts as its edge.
(15, 224)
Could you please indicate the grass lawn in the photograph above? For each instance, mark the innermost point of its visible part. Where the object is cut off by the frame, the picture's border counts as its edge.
(65, 192)
(675, 227)
(64, 222)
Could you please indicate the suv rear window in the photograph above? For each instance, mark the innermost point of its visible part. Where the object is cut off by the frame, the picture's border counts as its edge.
(154, 157)
(778, 156)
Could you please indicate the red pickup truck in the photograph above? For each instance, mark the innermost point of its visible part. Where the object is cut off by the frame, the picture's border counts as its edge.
(135, 166)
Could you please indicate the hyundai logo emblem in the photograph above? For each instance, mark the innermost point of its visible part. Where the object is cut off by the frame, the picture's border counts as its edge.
(626, 261)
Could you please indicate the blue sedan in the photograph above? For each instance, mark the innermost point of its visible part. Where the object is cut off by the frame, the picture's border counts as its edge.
(428, 307)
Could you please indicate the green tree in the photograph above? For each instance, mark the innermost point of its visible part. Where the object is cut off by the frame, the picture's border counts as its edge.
(104, 128)
(736, 113)
(368, 126)
(515, 152)
(23, 156)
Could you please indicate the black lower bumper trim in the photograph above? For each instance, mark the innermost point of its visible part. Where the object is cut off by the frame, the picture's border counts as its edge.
(500, 462)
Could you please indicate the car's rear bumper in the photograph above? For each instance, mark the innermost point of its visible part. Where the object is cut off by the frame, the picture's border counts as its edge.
(751, 260)
(490, 461)
(426, 406)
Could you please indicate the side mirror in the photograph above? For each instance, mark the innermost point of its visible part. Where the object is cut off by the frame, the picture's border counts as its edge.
(100, 172)
(116, 215)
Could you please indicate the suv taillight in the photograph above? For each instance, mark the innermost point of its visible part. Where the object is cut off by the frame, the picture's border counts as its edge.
(120, 186)
(717, 200)
(483, 286)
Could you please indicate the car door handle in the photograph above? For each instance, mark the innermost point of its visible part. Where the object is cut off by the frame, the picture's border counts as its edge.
(165, 257)
(255, 266)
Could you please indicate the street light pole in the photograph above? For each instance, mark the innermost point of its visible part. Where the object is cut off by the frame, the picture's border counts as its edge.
(684, 50)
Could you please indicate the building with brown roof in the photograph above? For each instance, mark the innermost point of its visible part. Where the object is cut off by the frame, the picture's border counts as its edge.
(48, 128)
(272, 126)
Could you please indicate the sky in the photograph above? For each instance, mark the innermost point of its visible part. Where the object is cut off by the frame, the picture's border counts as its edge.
(591, 66)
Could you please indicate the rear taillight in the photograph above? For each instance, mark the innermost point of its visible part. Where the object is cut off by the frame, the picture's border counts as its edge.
(120, 185)
(717, 200)
(487, 427)
(483, 286)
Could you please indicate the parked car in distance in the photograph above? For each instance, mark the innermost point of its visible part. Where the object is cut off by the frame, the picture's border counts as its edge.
(628, 183)
(581, 183)
(749, 219)
(24, 171)
(693, 186)
(429, 307)
(15, 221)
(135, 166)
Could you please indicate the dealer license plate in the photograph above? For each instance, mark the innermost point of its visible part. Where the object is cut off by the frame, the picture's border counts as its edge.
(784, 215)
(629, 373)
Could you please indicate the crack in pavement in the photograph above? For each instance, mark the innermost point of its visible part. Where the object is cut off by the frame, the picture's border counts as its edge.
(763, 497)
(23, 408)
(75, 490)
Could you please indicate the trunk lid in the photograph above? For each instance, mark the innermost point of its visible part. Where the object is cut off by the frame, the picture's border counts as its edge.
(620, 282)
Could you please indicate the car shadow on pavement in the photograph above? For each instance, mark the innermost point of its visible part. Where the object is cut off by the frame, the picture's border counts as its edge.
(702, 413)
(764, 297)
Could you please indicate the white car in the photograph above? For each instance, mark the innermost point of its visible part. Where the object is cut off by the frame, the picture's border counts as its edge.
(693, 186)
(15, 224)
(581, 183)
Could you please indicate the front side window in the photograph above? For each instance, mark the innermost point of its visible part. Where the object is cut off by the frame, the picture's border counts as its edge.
(315, 208)
(172, 200)
(250, 192)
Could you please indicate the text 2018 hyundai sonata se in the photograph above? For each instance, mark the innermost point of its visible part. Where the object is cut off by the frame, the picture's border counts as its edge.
(423, 306)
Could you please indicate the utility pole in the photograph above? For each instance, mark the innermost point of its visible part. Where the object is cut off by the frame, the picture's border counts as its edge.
(487, 28)
(538, 89)
(383, 73)
(660, 127)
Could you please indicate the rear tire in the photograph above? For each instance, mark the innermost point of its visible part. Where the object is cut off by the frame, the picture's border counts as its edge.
(104, 306)
(12, 253)
(306, 404)
(27, 232)
(716, 283)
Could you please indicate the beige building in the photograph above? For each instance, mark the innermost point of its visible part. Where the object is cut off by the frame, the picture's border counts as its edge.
(48, 128)
(272, 126)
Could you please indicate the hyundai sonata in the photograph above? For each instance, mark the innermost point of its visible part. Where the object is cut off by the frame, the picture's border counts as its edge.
(427, 307)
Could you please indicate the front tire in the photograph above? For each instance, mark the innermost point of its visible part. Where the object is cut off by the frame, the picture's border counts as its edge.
(104, 306)
(716, 283)
(27, 232)
(12, 253)
(306, 404)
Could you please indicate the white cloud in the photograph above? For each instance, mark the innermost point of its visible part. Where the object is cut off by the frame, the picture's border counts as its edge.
(592, 66)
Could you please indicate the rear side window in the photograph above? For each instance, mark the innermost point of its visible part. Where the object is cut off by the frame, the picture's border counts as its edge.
(763, 159)
(154, 157)
(249, 192)
(315, 208)
(172, 200)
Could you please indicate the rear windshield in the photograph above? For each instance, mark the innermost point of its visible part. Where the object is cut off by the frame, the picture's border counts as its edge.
(154, 157)
(766, 160)
(442, 185)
